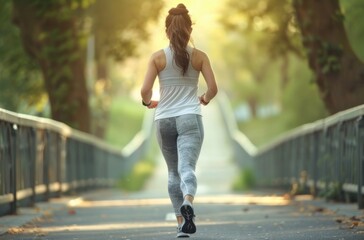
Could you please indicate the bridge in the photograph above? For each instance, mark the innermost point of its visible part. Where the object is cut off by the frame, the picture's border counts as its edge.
(57, 183)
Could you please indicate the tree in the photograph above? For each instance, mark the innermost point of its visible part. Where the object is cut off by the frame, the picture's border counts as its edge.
(51, 35)
(54, 33)
(255, 27)
(118, 26)
(339, 73)
(245, 62)
(21, 84)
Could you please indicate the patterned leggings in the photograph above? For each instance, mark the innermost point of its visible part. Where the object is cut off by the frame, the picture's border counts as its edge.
(180, 140)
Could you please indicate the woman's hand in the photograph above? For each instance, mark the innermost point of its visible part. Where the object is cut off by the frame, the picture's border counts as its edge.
(153, 104)
(202, 100)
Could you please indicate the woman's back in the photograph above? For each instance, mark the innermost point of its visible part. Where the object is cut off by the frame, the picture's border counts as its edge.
(178, 91)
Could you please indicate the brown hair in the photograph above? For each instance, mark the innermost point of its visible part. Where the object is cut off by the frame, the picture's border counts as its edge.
(178, 29)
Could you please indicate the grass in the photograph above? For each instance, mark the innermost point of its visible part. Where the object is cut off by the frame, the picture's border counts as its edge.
(125, 120)
(262, 131)
(137, 178)
(245, 180)
(141, 172)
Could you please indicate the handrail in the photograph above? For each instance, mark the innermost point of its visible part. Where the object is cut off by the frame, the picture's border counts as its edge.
(308, 128)
(41, 158)
(244, 149)
(325, 155)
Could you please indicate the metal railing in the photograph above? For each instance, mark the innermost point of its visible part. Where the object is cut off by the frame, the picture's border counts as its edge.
(324, 156)
(41, 158)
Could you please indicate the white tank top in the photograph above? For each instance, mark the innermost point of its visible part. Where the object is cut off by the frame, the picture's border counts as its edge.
(178, 93)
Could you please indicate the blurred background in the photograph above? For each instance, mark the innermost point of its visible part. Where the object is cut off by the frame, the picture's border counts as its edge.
(283, 63)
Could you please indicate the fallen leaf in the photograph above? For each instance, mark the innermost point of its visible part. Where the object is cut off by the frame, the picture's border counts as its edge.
(245, 209)
(319, 209)
(354, 218)
(71, 211)
(339, 220)
(287, 196)
(355, 223)
(15, 230)
(41, 234)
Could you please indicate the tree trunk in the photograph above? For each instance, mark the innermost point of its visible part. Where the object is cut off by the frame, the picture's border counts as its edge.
(338, 72)
(53, 40)
(102, 94)
(253, 106)
(284, 71)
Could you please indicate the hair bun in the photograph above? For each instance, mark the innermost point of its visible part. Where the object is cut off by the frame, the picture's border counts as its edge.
(179, 10)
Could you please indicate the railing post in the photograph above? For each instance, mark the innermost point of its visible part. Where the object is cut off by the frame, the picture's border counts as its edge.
(340, 143)
(14, 151)
(361, 161)
(32, 160)
(46, 155)
(316, 145)
(62, 178)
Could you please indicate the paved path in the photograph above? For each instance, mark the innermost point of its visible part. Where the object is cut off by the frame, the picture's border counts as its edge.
(221, 214)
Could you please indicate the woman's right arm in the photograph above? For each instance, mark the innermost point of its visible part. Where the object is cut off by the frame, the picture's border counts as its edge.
(146, 90)
(156, 64)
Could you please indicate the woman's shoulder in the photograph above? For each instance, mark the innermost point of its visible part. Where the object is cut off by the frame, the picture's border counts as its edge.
(159, 59)
(198, 51)
(199, 54)
(158, 54)
(199, 58)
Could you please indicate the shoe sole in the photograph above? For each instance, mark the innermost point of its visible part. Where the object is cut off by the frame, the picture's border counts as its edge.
(183, 236)
(188, 214)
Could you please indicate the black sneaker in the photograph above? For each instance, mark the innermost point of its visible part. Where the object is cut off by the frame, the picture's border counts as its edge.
(188, 225)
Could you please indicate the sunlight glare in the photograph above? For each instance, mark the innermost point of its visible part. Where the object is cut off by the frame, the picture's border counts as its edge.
(233, 199)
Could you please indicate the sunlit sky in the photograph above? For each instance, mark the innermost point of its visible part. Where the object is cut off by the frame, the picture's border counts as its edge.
(204, 15)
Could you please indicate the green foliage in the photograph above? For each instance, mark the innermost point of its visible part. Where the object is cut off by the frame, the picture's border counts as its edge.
(245, 181)
(262, 39)
(55, 34)
(137, 178)
(338, 16)
(300, 104)
(125, 120)
(329, 57)
(267, 30)
(51, 33)
(333, 192)
(299, 186)
(353, 11)
(271, 27)
(273, 18)
(117, 25)
(21, 84)
(261, 131)
(301, 101)
(126, 117)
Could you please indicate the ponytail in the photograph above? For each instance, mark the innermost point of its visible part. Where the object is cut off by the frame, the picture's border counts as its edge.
(178, 28)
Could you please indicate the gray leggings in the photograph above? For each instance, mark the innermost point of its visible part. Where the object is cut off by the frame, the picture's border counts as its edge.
(180, 140)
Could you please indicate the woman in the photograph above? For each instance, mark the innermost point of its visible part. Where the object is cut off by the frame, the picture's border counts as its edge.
(178, 112)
